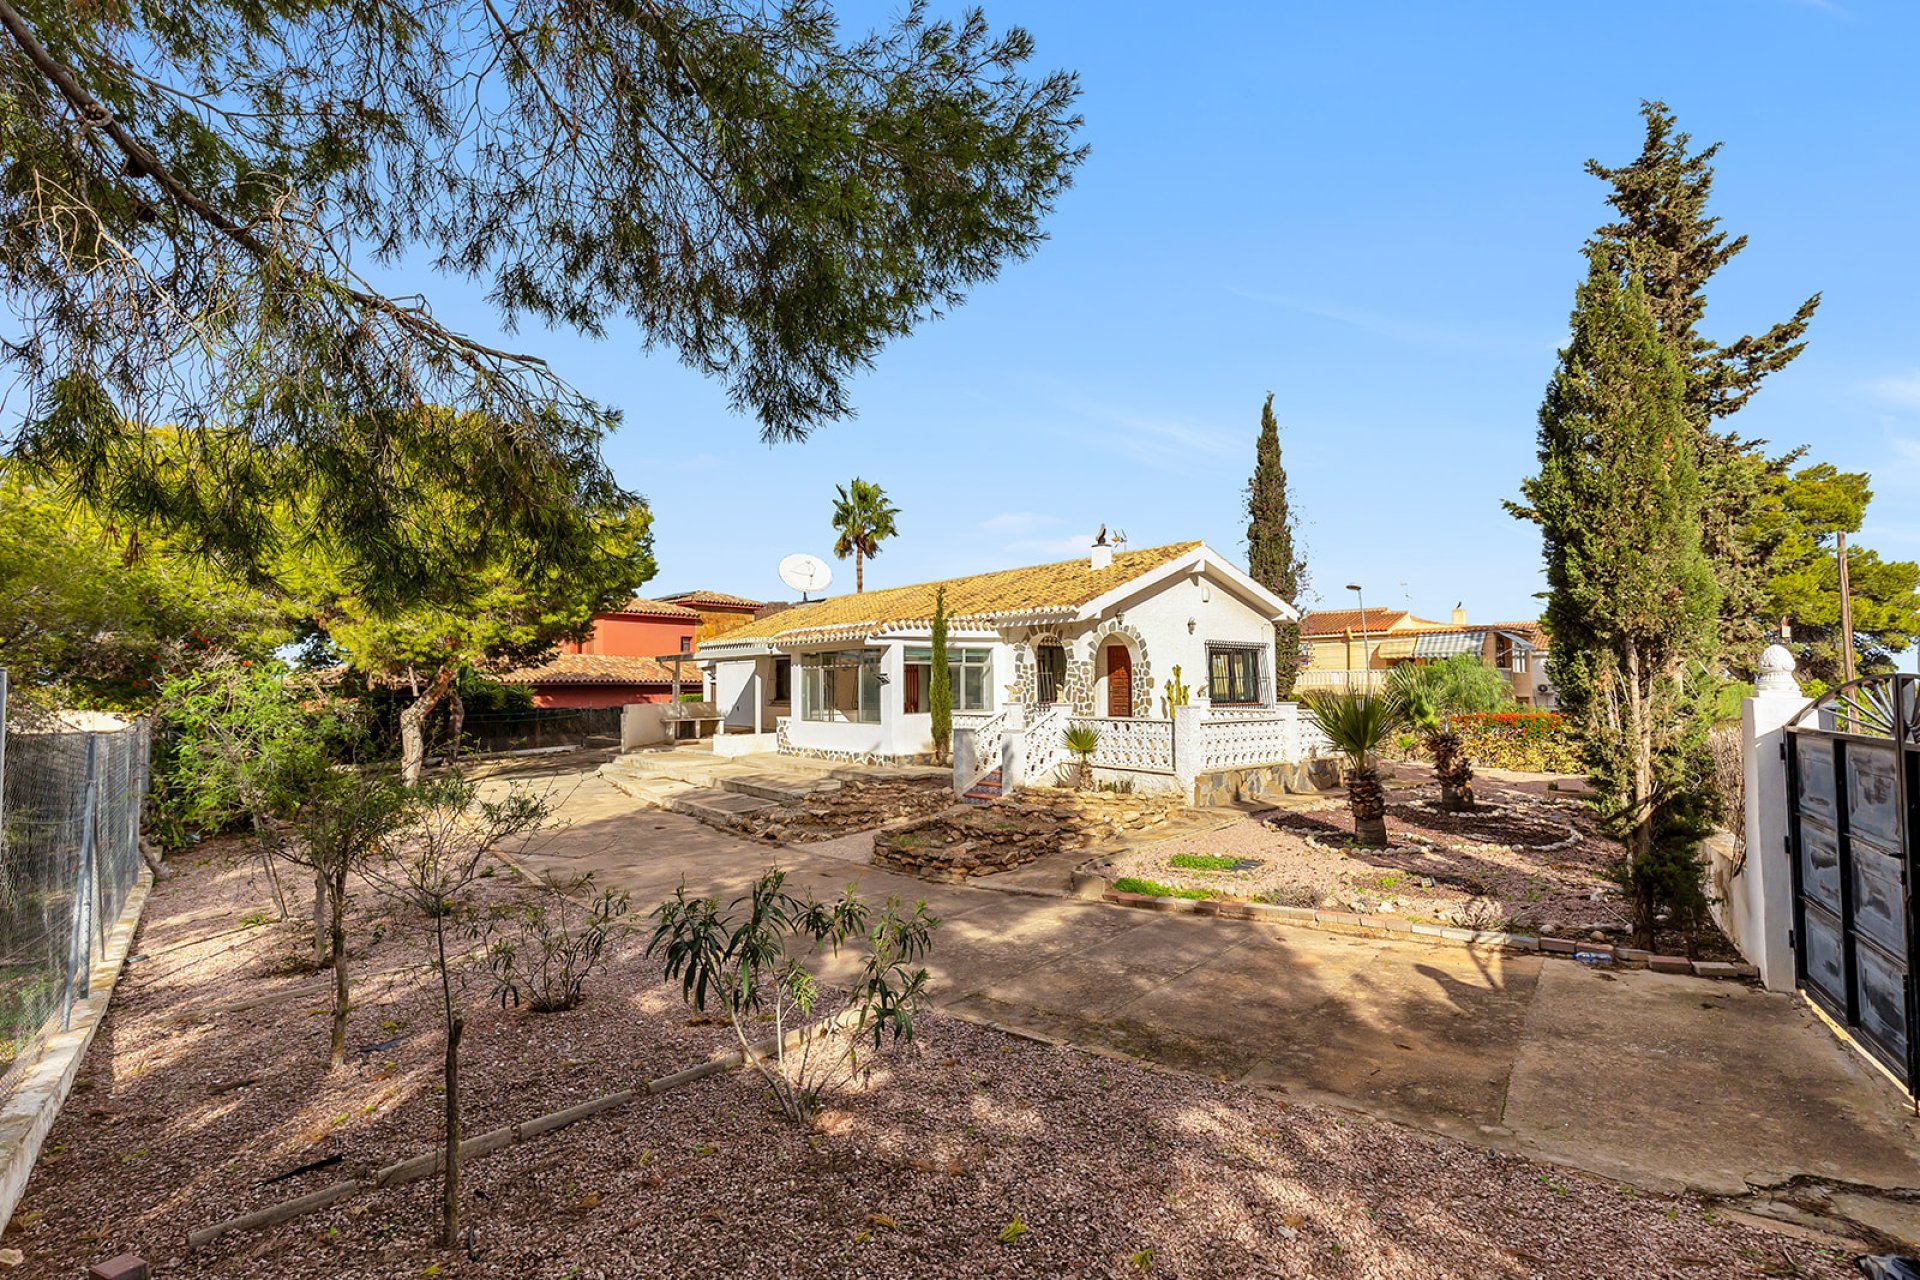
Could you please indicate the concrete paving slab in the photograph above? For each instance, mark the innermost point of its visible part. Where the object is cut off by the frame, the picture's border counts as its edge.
(1712, 1086)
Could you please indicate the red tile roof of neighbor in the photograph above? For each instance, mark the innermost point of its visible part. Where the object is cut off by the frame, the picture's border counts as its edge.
(715, 599)
(601, 668)
(1333, 622)
(658, 609)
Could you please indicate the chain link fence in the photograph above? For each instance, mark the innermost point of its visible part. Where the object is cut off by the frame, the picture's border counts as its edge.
(70, 802)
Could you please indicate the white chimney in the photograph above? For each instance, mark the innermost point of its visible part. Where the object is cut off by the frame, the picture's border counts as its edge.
(1459, 616)
(1102, 557)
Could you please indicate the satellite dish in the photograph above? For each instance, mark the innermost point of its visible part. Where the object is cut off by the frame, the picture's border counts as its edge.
(805, 573)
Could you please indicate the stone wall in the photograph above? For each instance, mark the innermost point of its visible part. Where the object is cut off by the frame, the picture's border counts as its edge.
(1231, 786)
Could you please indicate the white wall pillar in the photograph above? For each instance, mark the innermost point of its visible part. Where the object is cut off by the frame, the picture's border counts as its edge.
(1188, 749)
(965, 748)
(1759, 906)
(759, 695)
(1013, 760)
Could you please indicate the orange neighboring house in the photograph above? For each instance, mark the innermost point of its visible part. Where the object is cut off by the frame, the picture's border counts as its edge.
(629, 656)
(1352, 649)
(719, 612)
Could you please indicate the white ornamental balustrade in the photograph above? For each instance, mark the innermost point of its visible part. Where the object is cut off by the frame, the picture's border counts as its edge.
(1142, 746)
(1239, 737)
(1046, 744)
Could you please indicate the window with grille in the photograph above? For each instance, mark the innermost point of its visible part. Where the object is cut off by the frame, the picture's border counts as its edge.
(1233, 674)
(1050, 673)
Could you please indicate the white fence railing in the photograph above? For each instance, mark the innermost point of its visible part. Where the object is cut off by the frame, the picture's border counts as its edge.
(1357, 680)
(1142, 746)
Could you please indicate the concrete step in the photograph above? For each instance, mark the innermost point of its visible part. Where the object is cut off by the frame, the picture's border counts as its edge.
(784, 789)
(655, 791)
(716, 808)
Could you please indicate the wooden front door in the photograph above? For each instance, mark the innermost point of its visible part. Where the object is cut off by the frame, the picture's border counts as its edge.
(1119, 681)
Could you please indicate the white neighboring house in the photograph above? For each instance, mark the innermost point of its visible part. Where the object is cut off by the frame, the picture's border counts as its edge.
(1093, 639)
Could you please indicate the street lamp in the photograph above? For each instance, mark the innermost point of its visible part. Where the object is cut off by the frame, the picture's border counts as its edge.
(1366, 660)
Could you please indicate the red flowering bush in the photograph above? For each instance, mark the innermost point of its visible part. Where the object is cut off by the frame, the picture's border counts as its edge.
(1534, 741)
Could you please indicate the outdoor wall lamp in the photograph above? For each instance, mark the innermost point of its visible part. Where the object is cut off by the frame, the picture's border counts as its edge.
(1190, 626)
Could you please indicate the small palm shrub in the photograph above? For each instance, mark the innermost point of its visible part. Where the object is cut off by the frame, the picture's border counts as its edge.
(1083, 740)
(1356, 724)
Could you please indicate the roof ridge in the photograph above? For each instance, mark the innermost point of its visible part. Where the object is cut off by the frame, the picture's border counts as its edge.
(1056, 588)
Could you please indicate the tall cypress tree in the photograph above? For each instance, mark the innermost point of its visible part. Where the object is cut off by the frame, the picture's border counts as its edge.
(940, 681)
(1632, 602)
(1272, 559)
(1664, 232)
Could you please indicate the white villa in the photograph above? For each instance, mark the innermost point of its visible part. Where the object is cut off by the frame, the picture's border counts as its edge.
(1091, 640)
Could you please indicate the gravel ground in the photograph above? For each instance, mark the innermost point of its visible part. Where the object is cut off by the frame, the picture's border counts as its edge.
(1112, 1169)
(1494, 869)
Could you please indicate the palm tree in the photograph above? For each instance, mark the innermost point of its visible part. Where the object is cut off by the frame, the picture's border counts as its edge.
(1083, 740)
(1450, 763)
(863, 517)
(1357, 723)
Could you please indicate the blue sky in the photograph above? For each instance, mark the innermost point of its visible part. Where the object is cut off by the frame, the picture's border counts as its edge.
(1374, 211)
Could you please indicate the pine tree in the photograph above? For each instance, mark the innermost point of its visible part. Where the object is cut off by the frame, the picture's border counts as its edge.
(1632, 599)
(1666, 236)
(1272, 559)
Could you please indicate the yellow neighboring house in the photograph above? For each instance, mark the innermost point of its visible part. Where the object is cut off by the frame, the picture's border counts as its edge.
(1356, 649)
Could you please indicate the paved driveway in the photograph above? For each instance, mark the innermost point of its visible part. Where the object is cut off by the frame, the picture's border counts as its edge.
(1657, 1079)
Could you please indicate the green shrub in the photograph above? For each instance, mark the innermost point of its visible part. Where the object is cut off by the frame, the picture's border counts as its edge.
(1154, 889)
(1533, 741)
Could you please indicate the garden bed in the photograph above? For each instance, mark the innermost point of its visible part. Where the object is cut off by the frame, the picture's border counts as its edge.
(967, 841)
(972, 1153)
(1519, 863)
(853, 806)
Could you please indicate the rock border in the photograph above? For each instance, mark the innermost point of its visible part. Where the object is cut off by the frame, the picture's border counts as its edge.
(1572, 838)
(1088, 884)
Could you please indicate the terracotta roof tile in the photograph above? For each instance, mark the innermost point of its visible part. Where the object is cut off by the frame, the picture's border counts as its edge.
(1061, 587)
(601, 668)
(658, 609)
(1333, 622)
(717, 599)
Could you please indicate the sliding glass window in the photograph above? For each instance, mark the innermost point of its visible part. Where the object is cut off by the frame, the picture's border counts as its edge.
(842, 686)
(971, 671)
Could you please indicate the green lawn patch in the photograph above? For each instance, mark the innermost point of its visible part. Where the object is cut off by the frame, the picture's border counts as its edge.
(1210, 862)
(1154, 889)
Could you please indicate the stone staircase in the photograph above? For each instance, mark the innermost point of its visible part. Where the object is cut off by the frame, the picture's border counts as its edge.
(985, 791)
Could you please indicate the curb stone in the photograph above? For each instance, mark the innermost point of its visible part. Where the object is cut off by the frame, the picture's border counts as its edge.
(1086, 885)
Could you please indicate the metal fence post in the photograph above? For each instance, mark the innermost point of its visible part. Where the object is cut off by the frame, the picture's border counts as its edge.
(80, 952)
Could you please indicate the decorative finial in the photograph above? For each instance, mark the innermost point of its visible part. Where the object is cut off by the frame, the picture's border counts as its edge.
(1775, 672)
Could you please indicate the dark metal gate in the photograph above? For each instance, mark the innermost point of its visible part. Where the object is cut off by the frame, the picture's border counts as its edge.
(1853, 779)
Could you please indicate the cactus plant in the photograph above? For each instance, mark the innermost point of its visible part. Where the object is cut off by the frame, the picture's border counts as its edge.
(1176, 692)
